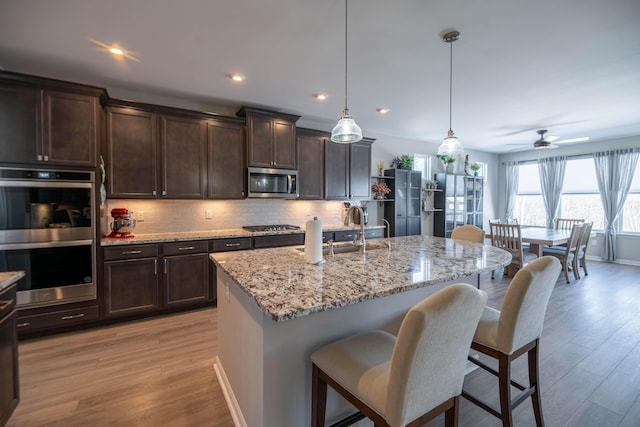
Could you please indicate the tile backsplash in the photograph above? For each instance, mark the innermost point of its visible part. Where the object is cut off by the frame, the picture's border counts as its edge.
(163, 216)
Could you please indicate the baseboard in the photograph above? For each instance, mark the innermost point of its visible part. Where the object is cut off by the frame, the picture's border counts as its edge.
(229, 397)
(618, 261)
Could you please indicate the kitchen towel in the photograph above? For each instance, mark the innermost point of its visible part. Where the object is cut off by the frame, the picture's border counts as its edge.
(313, 241)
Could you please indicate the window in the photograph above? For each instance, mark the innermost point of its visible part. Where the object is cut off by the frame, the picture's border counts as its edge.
(422, 163)
(580, 197)
(630, 217)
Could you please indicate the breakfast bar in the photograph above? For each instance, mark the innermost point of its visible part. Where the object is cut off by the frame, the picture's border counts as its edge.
(275, 309)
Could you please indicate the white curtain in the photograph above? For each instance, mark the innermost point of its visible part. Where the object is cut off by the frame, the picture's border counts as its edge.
(614, 171)
(511, 188)
(551, 172)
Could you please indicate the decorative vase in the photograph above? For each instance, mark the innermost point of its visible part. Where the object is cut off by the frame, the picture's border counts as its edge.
(449, 167)
(475, 173)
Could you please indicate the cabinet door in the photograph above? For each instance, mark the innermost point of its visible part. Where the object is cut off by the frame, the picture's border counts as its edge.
(310, 165)
(10, 390)
(413, 226)
(70, 128)
(20, 124)
(360, 171)
(186, 279)
(132, 155)
(260, 137)
(336, 171)
(227, 174)
(284, 144)
(184, 151)
(131, 286)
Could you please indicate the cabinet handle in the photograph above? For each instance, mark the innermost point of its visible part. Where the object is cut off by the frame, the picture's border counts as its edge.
(187, 248)
(165, 266)
(6, 304)
(153, 192)
(46, 158)
(39, 157)
(348, 235)
(72, 316)
(155, 267)
(230, 245)
(131, 252)
(164, 192)
(24, 324)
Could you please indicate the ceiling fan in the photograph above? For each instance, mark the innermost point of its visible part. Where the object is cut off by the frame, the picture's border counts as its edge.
(551, 142)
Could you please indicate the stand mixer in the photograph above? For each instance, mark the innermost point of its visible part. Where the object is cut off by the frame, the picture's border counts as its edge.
(122, 225)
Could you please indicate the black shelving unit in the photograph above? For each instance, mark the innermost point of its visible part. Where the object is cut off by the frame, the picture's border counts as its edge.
(458, 204)
(403, 213)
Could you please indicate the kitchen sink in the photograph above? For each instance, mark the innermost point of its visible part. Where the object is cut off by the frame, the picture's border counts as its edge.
(347, 248)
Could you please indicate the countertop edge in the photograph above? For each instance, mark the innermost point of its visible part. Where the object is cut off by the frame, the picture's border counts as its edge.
(7, 278)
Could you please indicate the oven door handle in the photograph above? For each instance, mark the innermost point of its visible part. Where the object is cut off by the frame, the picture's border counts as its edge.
(41, 245)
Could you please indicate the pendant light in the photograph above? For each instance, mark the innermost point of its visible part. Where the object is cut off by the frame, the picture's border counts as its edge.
(346, 131)
(451, 146)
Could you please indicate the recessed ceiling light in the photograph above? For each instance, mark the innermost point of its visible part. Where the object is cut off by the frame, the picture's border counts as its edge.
(115, 50)
(237, 77)
(320, 96)
(383, 110)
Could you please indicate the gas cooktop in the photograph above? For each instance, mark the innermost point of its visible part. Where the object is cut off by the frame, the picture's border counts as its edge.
(277, 227)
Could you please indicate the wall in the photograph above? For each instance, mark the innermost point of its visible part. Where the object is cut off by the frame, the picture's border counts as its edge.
(628, 249)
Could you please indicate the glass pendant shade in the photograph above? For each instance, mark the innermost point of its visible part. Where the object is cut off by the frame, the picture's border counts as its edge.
(346, 131)
(451, 146)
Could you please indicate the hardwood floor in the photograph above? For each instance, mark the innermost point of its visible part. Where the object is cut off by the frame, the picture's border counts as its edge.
(159, 372)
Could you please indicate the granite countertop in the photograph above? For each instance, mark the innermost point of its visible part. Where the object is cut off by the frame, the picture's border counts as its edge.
(212, 234)
(285, 287)
(9, 277)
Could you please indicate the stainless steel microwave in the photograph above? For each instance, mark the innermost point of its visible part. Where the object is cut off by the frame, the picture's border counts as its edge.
(274, 183)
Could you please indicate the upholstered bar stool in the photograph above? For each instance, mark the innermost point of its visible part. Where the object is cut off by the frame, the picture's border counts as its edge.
(513, 331)
(406, 380)
(468, 232)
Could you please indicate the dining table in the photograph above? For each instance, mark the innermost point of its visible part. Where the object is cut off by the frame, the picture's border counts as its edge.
(537, 237)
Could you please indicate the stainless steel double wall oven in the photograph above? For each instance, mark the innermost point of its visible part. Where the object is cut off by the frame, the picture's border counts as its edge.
(47, 229)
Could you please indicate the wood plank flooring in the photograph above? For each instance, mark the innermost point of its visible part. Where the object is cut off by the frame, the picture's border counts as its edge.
(159, 372)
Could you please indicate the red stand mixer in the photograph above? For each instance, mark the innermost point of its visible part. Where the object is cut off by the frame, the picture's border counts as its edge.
(122, 225)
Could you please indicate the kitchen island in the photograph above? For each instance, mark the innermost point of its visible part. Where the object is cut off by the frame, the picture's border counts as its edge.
(274, 310)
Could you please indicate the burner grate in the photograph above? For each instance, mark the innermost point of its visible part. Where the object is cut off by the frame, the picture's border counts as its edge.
(275, 227)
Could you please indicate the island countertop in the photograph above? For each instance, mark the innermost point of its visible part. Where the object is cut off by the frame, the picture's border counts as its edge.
(285, 286)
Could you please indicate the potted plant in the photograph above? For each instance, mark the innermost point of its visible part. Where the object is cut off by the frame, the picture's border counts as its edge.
(404, 161)
(430, 184)
(475, 167)
(447, 161)
(380, 190)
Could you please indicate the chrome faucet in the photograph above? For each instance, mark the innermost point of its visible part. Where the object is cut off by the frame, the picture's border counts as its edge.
(357, 241)
(388, 227)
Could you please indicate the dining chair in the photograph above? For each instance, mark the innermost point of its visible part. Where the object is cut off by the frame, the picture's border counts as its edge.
(568, 254)
(513, 331)
(509, 238)
(566, 223)
(581, 253)
(408, 379)
(468, 232)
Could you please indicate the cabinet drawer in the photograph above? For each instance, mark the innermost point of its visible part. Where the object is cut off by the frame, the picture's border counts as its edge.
(57, 318)
(376, 233)
(7, 300)
(130, 251)
(326, 236)
(238, 244)
(279, 240)
(346, 235)
(183, 248)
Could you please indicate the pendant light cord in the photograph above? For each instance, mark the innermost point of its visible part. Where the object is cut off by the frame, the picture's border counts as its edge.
(450, 82)
(346, 46)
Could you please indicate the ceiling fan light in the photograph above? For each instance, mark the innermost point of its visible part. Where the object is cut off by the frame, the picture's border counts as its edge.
(451, 146)
(346, 131)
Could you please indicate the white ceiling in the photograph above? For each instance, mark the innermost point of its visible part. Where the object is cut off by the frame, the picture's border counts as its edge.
(570, 66)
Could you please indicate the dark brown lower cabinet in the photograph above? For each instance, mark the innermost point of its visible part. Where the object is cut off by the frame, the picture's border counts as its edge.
(131, 280)
(9, 379)
(186, 273)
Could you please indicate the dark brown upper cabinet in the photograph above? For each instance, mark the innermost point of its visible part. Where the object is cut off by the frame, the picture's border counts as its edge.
(311, 163)
(48, 122)
(271, 138)
(151, 153)
(226, 177)
(347, 170)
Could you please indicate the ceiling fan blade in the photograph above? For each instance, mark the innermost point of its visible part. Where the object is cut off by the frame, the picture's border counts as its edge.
(552, 138)
(569, 140)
